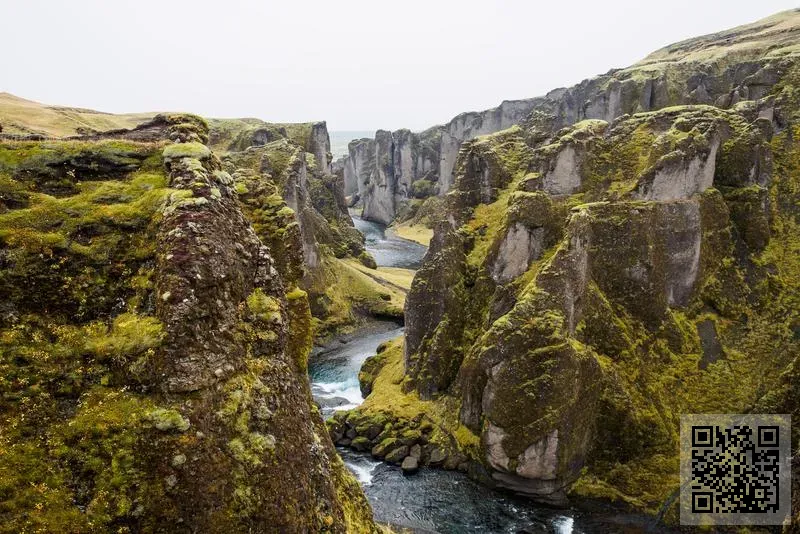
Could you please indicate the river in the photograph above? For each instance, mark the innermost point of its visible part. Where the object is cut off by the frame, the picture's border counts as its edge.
(431, 500)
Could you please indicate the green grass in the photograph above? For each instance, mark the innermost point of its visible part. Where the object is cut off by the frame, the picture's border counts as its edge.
(413, 232)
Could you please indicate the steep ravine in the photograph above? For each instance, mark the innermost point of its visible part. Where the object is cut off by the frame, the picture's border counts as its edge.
(431, 500)
(590, 281)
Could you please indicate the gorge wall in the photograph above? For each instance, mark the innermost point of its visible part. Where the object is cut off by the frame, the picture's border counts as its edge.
(154, 339)
(719, 69)
(283, 176)
(589, 284)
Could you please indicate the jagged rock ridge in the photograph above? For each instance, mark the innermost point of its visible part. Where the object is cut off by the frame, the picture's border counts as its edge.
(719, 69)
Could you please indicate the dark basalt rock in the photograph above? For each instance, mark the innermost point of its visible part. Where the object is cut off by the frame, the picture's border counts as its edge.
(181, 351)
(586, 286)
(410, 465)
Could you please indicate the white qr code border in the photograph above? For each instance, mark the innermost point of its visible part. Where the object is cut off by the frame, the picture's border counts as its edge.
(701, 447)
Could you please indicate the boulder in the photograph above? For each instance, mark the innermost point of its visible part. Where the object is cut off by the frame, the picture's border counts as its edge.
(436, 456)
(381, 449)
(396, 456)
(360, 444)
(410, 465)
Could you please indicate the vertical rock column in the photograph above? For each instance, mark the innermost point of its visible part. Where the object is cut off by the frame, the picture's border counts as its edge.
(256, 457)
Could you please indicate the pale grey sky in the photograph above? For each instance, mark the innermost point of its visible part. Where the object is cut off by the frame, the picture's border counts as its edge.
(359, 64)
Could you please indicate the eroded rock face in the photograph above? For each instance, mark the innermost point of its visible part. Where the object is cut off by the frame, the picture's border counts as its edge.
(559, 263)
(565, 177)
(750, 59)
(210, 254)
(470, 125)
(320, 146)
(298, 208)
(517, 250)
(189, 346)
(682, 179)
(381, 172)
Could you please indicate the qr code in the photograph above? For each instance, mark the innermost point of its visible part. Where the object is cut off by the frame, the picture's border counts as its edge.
(735, 469)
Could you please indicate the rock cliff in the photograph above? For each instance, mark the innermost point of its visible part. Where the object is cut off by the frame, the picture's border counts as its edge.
(719, 69)
(153, 346)
(283, 176)
(275, 166)
(590, 283)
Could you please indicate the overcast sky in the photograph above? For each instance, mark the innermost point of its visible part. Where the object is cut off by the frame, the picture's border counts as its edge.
(359, 64)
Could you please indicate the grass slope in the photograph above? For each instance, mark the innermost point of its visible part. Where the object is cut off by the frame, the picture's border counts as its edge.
(21, 116)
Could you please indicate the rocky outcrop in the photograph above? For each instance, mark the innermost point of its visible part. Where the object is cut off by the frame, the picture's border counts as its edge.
(381, 173)
(319, 144)
(296, 203)
(720, 69)
(586, 287)
(163, 346)
(473, 124)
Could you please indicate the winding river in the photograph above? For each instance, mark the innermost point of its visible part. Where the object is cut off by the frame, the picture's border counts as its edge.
(431, 500)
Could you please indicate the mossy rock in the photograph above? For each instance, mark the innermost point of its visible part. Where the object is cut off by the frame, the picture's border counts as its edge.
(385, 446)
(396, 455)
(100, 329)
(422, 189)
(360, 444)
(186, 150)
(608, 326)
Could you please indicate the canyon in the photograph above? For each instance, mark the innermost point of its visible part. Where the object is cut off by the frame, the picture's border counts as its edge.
(595, 272)
(599, 261)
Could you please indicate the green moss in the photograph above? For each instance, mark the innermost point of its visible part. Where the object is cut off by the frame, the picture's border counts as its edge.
(186, 150)
(80, 269)
(301, 331)
(486, 224)
(367, 260)
(264, 307)
(296, 294)
(423, 189)
(13, 194)
(616, 164)
(748, 213)
(385, 446)
(167, 420)
(285, 211)
(96, 458)
(62, 248)
(35, 157)
(252, 449)
(129, 335)
(508, 147)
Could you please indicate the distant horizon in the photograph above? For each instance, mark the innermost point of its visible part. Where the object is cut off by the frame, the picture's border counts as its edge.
(360, 67)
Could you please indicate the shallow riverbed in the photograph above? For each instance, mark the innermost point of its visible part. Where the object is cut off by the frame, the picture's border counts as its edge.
(387, 250)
